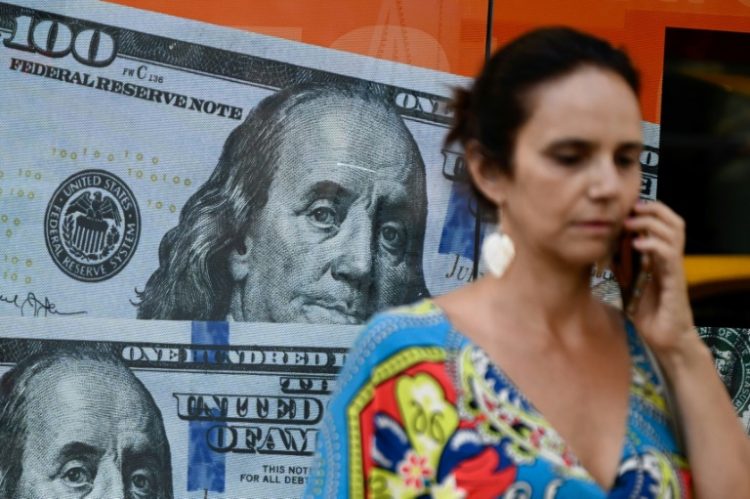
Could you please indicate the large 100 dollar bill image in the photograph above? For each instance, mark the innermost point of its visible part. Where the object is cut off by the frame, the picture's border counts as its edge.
(161, 410)
(160, 168)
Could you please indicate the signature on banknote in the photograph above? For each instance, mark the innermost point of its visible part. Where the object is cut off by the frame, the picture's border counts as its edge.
(30, 304)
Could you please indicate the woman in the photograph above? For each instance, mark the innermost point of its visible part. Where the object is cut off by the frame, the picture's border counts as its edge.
(523, 384)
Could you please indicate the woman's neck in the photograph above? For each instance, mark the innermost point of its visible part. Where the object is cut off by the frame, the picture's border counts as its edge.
(553, 298)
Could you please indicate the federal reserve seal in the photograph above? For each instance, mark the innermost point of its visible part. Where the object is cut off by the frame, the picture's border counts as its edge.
(731, 350)
(92, 225)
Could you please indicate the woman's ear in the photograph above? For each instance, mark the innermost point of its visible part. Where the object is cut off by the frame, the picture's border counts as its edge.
(239, 260)
(485, 174)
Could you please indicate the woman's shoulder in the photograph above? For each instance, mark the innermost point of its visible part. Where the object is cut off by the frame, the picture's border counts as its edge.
(396, 342)
(420, 323)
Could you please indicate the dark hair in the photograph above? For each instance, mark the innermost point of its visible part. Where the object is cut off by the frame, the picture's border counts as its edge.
(494, 108)
(193, 281)
(15, 391)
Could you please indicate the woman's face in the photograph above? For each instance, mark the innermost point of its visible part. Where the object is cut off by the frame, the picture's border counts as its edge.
(576, 169)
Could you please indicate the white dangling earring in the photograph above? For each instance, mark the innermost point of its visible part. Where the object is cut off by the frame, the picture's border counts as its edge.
(498, 252)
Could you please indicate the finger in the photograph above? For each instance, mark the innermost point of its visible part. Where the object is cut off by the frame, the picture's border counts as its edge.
(662, 211)
(661, 252)
(656, 227)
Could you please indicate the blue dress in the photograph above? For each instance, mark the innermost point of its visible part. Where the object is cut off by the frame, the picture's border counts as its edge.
(421, 411)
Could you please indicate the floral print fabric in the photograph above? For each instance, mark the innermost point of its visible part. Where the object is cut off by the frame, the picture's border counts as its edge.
(423, 412)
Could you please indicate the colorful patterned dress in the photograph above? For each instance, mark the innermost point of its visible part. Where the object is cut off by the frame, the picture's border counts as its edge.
(421, 412)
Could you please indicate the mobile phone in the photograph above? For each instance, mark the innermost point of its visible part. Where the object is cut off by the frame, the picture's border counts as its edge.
(627, 265)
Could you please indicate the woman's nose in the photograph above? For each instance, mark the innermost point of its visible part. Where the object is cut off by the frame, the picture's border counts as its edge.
(605, 180)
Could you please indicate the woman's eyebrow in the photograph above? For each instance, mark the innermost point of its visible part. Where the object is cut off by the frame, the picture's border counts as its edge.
(574, 143)
(569, 142)
(632, 145)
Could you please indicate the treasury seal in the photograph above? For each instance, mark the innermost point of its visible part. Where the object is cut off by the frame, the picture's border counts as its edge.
(731, 351)
(92, 225)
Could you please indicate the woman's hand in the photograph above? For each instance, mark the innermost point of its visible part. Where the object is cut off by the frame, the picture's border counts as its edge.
(719, 459)
(663, 316)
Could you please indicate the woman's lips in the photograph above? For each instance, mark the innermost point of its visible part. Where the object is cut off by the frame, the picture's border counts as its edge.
(596, 226)
(597, 223)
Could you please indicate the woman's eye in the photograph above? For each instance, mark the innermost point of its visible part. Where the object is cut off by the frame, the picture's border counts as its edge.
(76, 475)
(626, 161)
(142, 484)
(393, 237)
(568, 159)
(323, 214)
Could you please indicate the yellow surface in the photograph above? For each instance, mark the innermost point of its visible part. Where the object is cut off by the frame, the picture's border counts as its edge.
(705, 269)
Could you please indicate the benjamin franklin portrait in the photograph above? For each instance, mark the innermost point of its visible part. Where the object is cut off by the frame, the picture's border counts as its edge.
(76, 422)
(315, 213)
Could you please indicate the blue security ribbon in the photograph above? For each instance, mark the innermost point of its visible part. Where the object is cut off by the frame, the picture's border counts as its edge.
(206, 468)
(457, 237)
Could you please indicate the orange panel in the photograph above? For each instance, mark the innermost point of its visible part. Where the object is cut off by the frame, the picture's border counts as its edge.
(446, 35)
(645, 43)
(638, 25)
